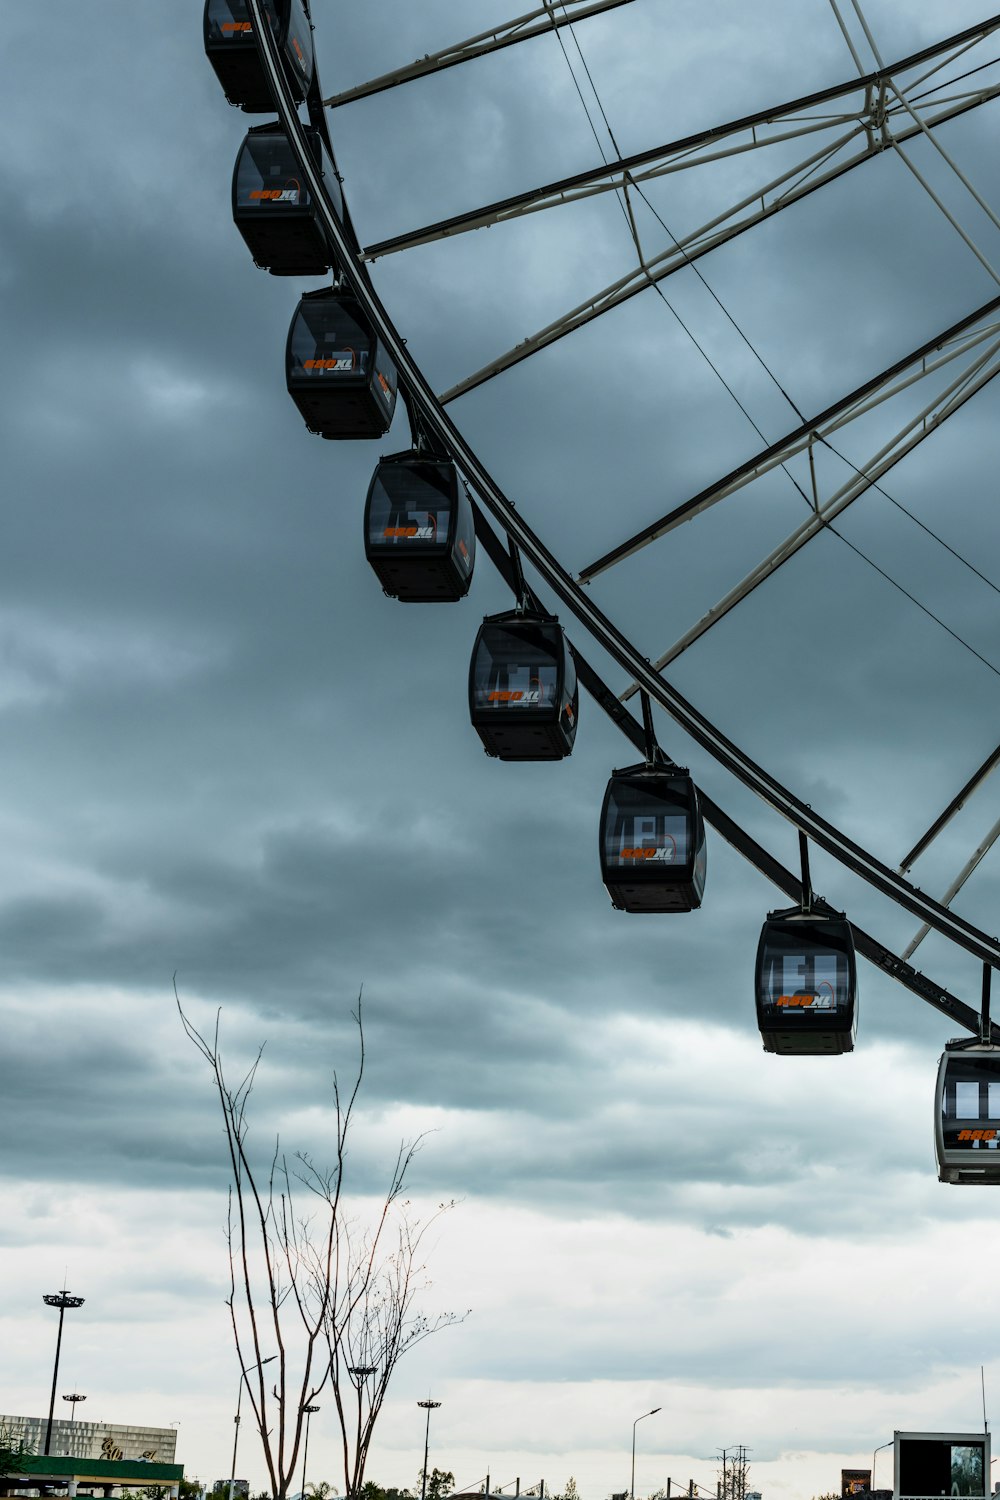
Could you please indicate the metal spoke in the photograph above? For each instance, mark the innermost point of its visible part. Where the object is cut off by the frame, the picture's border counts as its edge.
(984, 369)
(521, 29)
(955, 341)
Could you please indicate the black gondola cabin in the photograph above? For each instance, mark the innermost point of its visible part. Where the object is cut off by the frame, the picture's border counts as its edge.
(523, 695)
(967, 1114)
(806, 983)
(338, 373)
(232, 50)
(273, 208)
(652, 841)
(420, 534)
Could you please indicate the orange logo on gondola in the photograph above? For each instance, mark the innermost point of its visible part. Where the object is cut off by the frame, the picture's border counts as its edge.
(814, 1002)
(236, 26)
(275, 195)
(383, 383)
(342, 362)
(977, 1135)
(663, 856)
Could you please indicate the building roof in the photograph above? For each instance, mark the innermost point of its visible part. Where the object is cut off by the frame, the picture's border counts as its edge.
(100, 1470)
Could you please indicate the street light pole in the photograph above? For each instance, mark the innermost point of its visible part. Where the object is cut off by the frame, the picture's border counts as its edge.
(72, 1411)
(236, 1435)
(871, 1482)
(62, 1300)
(634, 1426)
(305, 1451)
(359, 1374)
(428, 1406)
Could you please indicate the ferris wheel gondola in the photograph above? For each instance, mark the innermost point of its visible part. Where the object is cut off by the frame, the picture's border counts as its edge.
(420, 535)
(273, 208)
(231, 49)
(806, 983)
(653, 854)
(337, 370)
(967, 1114)
(524, 700)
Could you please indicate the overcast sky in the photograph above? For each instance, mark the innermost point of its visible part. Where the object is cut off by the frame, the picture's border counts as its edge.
(226, 754)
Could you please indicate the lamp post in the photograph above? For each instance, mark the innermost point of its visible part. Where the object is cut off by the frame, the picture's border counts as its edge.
(305, 1451)
(878, 1450)
(358, 1374)
(236, 1435)
(634, 1426)
(62, 1300)
(428, 1406)
(72, 1411)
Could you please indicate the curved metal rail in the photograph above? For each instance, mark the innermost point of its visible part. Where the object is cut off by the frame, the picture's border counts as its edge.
(425, 405)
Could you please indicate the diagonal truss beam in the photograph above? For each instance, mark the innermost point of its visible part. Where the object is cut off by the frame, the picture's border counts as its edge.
(955, 805)
(839, 845)
(951, 344)
(705, 145)
(983, 368)
(521, 29)
(956, 885)
(766, 200)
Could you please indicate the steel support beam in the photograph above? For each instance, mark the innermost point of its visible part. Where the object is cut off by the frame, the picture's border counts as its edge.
(956, 885)
(983, 369)
(974, 782)
(949, 345)
(675, 155)
(799, 182)
(524, 28)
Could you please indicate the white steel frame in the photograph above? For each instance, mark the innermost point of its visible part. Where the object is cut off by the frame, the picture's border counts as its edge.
(977, 372)
(521, 29)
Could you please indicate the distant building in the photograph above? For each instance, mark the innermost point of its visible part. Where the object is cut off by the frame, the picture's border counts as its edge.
(107, 1441)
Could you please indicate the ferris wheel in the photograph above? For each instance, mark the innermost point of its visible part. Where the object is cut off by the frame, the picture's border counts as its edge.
(431, 508)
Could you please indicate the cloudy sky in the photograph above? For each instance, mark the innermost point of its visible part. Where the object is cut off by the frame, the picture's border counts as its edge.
(225, 754)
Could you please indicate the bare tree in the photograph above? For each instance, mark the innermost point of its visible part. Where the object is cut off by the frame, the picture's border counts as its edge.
(318, 1298)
